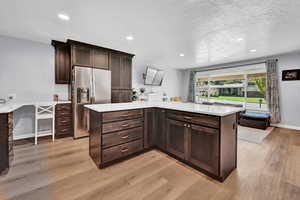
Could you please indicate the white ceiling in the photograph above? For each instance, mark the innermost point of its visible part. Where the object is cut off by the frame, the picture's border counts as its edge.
(206, 31)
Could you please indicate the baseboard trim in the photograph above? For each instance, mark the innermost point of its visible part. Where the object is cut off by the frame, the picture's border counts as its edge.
(286, 126)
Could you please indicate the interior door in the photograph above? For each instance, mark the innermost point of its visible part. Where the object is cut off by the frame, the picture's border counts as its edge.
(204, 148)
(81, 96)
(101, 86)
(176, 138)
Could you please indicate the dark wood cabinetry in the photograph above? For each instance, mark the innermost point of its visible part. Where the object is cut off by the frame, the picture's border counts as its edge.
(203, 147)
(82, 55)
(121, 96)
(6, 141)
(74, 53)
(176, 138)
(101, 58)
(160, 129)
(62, 62)
(205, 142)
(149, 119)
(63, 120)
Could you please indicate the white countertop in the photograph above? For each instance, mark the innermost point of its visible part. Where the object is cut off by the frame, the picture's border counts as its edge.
(216, 110)
(12, 106)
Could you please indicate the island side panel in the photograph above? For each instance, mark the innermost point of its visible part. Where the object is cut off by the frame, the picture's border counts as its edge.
(228, 145)
(95, 136)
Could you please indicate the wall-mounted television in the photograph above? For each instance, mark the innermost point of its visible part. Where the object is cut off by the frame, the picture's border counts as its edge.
(153, 76)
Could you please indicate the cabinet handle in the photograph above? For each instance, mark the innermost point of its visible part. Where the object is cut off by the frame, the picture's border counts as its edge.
(125, 125)
(124, 150)
(124, 115)
(188, 118)
(124, 137)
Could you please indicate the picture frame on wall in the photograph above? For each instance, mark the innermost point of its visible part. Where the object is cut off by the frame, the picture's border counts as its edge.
(291, 75)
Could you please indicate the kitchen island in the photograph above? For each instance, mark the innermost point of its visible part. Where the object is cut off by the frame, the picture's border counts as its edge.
(201, 136)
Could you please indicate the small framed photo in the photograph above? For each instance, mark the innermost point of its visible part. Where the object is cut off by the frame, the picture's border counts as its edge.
(291, 75)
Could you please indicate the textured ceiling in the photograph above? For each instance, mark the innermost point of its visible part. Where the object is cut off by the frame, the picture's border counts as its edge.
(206, 31)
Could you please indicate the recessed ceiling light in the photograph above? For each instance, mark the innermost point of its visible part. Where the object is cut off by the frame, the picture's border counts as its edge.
(130, 37)
(63, 17)
(240, 39)
(181, 55)
(253, 50)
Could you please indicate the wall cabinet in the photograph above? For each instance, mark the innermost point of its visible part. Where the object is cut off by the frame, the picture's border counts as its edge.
(62, 62)
(121, 71)
(121, 96)
(101, 58)
(82, 55)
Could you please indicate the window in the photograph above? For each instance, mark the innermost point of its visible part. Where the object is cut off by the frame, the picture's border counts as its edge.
(247, 88)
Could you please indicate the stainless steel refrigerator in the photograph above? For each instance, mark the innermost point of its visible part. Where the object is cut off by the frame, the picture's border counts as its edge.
(89, 86)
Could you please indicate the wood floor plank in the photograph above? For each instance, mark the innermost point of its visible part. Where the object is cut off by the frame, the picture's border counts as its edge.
(63, 171)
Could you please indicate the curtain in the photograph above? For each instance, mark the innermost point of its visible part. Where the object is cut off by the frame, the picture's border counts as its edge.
(191, 95)
(273, 91)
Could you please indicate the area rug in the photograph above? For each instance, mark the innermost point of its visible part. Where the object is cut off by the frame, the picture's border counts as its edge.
(252, 134)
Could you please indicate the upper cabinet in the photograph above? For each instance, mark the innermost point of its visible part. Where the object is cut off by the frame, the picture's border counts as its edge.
(62, 62)
(82, 55)
(101, 58)
(74, 53)
(121, 69)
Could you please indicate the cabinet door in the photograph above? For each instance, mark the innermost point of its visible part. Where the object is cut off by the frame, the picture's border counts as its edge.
(62, 63)
(115, 96)
(101, 58)
(115, 66)
(126, 72)
(148, 128)
(203, 148)
(160, 129)
(176, 138)
(82, 55)
(126, 96)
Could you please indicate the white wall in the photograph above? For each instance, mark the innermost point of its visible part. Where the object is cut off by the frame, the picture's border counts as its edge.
(27, 70)
(171, 84)
(289, 90)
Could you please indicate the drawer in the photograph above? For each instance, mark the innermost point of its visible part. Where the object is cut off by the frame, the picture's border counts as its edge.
(63, 130)
(120, 137)
(121, 151)
(204, 120)
(121, 125)
(63, 121)
(63, 107)
(122, 115)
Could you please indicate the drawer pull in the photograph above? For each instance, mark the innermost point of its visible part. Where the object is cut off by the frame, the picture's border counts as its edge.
(188, 118)
(124, 115)
(125, 137)
(125, 125)
(124, 150)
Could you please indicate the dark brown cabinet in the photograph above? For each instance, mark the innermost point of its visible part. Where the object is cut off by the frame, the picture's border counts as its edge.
(101, 58)
(176, 138)
(160, 129)
(121, 71)
(6, 141)
(126, 65)
(63, 120)
(82, 55)
(62, 62)
(149, 138)
(203, 147)
(121, 96)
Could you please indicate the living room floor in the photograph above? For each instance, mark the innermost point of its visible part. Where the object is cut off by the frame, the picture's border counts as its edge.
(63, 170)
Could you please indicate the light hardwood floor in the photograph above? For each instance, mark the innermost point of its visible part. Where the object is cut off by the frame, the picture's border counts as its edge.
(63, 170)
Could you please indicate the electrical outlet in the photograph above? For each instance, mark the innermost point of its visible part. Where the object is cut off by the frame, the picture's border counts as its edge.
(11, 97)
